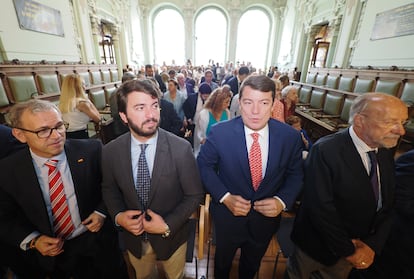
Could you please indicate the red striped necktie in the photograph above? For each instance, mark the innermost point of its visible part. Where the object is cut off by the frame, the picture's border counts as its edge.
(62, 221)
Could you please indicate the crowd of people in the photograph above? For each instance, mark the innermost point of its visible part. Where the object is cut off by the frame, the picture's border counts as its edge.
(73, 208)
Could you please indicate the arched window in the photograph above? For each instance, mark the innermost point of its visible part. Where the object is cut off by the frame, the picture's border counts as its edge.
(253, 38)
(169, 41)
(210, 37)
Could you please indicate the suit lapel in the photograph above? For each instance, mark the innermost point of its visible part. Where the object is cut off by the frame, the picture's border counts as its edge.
(31, 194)
(240, 144)
(160, 162)
(124, 160)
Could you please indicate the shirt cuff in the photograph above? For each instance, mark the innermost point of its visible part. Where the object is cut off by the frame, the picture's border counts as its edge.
(224, 197)
(100, 214)
(283, 204)
(25, 243)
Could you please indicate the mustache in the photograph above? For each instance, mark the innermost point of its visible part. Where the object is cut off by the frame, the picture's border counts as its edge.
(150, 120)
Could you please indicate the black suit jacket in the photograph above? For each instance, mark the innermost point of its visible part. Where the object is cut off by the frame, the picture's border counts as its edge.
(234, 85)
(158, 78)
(8, 143)
(176, 189)
(338, 202)
(22, 207)
(190, 106)
(169, 118)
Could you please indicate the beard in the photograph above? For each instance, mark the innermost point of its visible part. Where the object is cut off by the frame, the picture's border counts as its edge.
(140, 130)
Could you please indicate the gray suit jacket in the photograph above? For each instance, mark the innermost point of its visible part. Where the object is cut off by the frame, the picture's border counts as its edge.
(176, 189)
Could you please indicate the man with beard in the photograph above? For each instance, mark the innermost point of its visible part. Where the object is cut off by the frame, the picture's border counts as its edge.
(151, 184)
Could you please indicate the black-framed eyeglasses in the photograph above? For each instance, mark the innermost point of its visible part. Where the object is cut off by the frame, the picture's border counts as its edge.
(46, 132)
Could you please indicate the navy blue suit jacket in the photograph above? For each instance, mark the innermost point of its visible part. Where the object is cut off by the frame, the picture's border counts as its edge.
(234, 85)
(190, 106)
(224, 167)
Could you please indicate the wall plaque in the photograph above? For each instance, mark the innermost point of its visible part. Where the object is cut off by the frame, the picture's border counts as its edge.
(394, 23)
(37, 17)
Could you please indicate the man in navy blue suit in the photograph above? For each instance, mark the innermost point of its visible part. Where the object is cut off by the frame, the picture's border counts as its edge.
(246, 212)
(236, 81)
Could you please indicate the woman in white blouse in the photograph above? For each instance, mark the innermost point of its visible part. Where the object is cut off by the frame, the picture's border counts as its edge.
(77, 110)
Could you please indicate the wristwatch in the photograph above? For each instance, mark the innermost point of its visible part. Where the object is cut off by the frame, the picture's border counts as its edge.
(167, 232)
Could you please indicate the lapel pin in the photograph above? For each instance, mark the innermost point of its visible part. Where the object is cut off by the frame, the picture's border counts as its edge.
(80, 160)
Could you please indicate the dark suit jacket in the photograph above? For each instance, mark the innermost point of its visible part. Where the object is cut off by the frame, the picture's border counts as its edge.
(224, 167)
(176, 189)
(169, 118)
(234, 85)
(339, 203)
(190, 106)
(8, 143)
(396, 261)
(158, 78)
(22, 207)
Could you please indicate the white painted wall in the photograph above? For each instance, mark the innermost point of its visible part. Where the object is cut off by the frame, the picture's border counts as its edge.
(34, 46)
(386, 52)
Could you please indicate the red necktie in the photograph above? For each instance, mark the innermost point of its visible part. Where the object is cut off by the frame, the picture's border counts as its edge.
(62, 222)
(255, 162)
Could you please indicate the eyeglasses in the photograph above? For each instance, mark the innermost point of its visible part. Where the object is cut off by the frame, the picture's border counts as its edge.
(45, 133)
(388, 123)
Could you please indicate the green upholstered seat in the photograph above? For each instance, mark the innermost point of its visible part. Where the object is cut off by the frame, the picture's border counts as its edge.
(346, 83)
(332, 82)
(346, 109)
(109, 92)
(320, 80)
(98, 99)
(388, 87)
(305, 95)
(48, 83)
(317, 99)
(407, 95)
(332, 105)
(22, 88)
(106, 76)
(4, 101)
(311, 78)
(114, 76)
(96, 78)
(363, 85)
(86, 78)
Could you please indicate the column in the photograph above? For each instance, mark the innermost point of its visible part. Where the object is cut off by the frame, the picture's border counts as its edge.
(115, 41)
(308, 51)
(96, 35)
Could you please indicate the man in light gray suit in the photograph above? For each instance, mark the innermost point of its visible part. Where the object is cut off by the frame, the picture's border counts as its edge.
(154, 221)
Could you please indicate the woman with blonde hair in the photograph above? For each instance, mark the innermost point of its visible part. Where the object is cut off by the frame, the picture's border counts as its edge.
(216, 109)
(76, 108)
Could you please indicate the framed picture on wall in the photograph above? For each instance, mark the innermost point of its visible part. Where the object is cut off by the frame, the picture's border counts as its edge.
(320, 54)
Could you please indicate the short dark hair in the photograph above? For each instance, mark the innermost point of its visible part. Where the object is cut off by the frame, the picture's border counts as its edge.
(128, 76)
(244, 71)
(145, 86)
(259, 82)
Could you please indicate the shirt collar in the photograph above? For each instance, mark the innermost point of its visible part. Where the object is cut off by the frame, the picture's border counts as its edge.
(150, 141)
(40, 161)
(262, 132)
(360, 145)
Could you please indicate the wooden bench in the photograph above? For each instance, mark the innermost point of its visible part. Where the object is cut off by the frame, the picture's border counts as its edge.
(21, 82)
(326, 96)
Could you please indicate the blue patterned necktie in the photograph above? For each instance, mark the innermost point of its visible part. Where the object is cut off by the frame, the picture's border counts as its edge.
(373, 174)
(143, 178)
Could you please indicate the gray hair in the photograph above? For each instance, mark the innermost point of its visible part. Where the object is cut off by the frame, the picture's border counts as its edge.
(33, 106)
